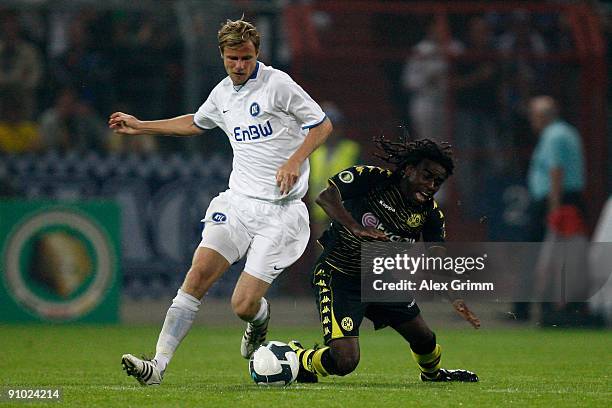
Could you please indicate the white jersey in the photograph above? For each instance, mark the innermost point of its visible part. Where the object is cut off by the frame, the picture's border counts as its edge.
(266, 121)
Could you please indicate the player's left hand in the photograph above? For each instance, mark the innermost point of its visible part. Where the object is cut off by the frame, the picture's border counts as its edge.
(466, 313)
(287, 175)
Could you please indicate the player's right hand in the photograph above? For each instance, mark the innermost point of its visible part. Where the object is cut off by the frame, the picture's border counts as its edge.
(123, 123)
(369, 232)
(464, 311)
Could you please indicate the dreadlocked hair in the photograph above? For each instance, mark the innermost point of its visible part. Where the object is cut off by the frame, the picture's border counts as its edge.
(412, 152)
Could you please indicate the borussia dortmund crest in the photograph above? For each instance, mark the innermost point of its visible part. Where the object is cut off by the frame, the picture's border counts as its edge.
(347, 324)
(415, 220)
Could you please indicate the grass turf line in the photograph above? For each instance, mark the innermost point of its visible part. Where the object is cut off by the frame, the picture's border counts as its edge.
(517, 368)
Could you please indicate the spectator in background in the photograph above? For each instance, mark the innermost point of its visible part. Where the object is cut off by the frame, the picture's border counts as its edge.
(556, 171)
(198, 23)
(145, 64)
(555, 179)
(337, 154)
(71, 124)
(519, 44)
(425, 77)
(83, 68)
(521, 36)
(18, 134)
(20, 65)
(476, 89)
(556, 31)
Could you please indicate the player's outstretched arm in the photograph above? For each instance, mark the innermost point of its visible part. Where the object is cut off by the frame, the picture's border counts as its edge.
(453, 296)
(331, 202)
(126, 124)
(288, 173)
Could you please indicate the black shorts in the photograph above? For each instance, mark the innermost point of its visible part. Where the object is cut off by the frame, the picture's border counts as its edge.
(341, 310)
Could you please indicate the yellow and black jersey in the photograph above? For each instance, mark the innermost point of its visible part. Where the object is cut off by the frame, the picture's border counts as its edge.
(372, 196)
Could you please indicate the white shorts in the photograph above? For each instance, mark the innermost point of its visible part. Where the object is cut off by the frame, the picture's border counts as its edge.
(272, 236)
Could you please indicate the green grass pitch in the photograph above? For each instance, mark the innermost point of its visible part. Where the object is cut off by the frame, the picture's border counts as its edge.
(520, 367)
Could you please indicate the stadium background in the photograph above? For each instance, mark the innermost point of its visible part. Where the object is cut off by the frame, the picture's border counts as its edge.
(159, 59)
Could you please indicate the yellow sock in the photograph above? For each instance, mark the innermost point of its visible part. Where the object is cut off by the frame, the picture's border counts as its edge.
(317, 364)
(429, 364)
(310, 359)
(305, 358)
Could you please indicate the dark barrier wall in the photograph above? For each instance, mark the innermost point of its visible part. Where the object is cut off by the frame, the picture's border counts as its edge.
(162, 200)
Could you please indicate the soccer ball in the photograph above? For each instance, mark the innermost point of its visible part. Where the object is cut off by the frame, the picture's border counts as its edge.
(274, 363)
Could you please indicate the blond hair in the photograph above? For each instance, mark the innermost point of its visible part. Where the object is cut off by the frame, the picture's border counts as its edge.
(235, 33)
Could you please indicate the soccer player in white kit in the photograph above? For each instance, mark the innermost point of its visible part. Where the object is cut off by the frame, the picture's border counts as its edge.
(273, 126)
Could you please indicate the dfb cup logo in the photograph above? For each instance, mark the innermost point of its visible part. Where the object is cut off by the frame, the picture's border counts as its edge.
(59, 264)
(347, 324)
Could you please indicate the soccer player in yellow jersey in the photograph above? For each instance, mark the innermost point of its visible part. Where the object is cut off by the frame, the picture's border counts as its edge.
(367, 203)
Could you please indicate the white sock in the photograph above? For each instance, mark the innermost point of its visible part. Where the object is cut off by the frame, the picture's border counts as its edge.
(262, 314)
(178, 321)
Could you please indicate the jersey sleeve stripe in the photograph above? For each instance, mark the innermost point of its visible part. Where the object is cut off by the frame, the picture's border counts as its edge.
(316, 124)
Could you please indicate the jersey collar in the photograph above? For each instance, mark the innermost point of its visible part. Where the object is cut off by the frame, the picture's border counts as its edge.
(253, 76)
(255, 71)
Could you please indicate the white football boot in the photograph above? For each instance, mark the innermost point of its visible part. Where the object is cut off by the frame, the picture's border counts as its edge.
(253, 337)
(145, 371)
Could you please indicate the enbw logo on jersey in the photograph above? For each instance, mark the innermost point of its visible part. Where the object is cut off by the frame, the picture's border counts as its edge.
(254, 109)
(219, 217)
(252, 132)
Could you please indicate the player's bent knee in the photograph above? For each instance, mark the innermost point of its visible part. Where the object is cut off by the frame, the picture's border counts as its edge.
(425, 336)
(207, 266)
(346, 364)
(199, 278)
(344, 353)
(425, 333)
(245, 308)
(424, 344)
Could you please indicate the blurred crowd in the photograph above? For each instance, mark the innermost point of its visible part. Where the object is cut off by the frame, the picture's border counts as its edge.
(467, 78)
(62, 72)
